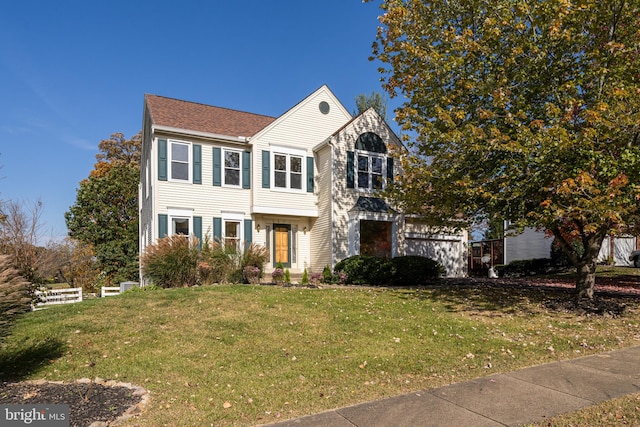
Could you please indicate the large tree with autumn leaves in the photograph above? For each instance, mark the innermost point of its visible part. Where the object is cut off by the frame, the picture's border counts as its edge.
(105, 214)
(527, 110)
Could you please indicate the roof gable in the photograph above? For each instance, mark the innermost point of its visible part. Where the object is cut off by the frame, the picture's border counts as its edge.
(178, 114)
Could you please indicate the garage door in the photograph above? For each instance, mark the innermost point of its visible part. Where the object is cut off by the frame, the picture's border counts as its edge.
(449, 253)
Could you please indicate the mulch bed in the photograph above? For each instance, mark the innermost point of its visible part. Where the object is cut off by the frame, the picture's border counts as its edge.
(100, 403)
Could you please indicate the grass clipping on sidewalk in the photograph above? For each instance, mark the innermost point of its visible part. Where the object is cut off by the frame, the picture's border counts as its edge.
(246, 355)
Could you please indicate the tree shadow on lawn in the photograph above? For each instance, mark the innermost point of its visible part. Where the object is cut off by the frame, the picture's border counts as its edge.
(504, 297)
(18, 363)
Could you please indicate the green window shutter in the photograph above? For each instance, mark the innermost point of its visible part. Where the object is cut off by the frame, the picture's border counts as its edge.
(266, 169)
(217, 228)
(197, 229)
(309, 174)
(162, 160)
(246, 169)
(351, 159)
(390, 169)
(217, 166)
(197, 164)
(248, 232)
(163, 225)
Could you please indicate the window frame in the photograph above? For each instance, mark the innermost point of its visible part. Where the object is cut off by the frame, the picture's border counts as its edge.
(181, 214)
(224, 167)
(170, 160)
(288, 153)
(233, 218)
(370, 155)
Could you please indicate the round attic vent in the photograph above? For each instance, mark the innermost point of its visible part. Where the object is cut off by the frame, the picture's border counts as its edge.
(324, 107)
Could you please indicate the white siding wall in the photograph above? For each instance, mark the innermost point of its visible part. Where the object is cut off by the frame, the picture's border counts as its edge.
(147, 187)
(321, 228)
(530, 244)
(449, 249)
(345, 198)
(205, 200)
(303, 127)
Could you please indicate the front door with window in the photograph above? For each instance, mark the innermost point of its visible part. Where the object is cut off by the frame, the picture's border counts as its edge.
(282, 245)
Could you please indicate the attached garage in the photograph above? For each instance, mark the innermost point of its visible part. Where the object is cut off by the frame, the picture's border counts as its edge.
(447, 250)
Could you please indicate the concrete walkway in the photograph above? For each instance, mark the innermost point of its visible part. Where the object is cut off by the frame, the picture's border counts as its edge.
(525, 396)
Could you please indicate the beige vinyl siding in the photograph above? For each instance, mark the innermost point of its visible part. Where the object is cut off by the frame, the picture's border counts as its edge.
(345, 198)
(321, 237)
(147, 187)
(205, 200)
(293, 130)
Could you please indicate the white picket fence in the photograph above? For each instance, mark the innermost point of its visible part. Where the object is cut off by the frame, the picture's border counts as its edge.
(109, 291)
(58, 296)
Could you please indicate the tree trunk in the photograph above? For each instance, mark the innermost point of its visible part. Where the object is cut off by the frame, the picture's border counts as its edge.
(585, 280)
(585, 263)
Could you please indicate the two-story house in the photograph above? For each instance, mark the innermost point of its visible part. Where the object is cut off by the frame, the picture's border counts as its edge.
(303, 184)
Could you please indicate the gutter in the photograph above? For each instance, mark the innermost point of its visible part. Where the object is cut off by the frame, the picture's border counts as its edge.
(204, 135)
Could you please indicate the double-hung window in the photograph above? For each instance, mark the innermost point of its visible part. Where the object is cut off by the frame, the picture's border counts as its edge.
(370, 171)
(232, 167)
(288, 169)
(180, 226)
(232, 234)
(180, 160)
(181, 221)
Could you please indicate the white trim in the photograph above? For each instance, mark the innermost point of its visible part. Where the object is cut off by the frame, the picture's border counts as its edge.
(370, 155)
(288, 152)
(236, 217)
(179, 213)
(223, 171)
(218, 137)
(313, 213)
(189, 161)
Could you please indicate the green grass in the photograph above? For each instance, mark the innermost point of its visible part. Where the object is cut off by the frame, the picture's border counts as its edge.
(274, 353)
(624, 411)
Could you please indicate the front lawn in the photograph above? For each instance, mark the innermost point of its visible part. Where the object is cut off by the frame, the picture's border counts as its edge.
(246, 355)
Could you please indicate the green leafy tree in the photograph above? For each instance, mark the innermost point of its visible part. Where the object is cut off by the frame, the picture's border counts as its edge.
(105, 214)
(376, 101)
(526, 110)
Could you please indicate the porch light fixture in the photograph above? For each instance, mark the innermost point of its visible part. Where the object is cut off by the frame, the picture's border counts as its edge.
(258, 227)
(304, 230)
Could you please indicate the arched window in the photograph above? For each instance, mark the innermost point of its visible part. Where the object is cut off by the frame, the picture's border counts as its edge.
(370, 162)
(370, 141)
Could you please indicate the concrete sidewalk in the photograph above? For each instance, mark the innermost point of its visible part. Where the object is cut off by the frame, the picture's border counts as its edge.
(525, 396)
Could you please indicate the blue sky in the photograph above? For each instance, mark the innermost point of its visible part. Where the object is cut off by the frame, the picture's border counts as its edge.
(74, 72)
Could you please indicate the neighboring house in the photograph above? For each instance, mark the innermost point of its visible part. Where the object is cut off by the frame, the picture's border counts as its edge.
(302, 184)
(533, 243)
(529, 244)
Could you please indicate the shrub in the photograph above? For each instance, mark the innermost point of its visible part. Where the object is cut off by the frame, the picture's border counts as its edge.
(15, 298)
(315, 279)
(327, 275)
(366, 270)
(172, 261)
(287, 276)
(278, 276)
(305, 278)
(252, 274)
(227, 264)
(415, 270)
(527, 267)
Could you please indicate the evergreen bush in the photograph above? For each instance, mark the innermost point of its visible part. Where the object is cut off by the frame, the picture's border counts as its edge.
(413, 270)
